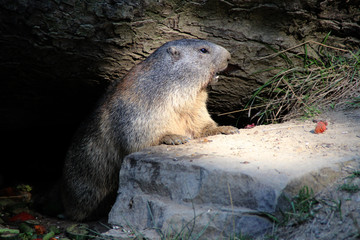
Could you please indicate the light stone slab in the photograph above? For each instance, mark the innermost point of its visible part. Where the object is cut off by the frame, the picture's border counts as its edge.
(223, 185)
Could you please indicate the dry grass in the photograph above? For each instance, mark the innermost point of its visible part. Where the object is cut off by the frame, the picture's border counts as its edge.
(328, 77)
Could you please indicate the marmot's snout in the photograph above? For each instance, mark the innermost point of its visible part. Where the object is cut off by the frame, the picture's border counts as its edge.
(225, 58)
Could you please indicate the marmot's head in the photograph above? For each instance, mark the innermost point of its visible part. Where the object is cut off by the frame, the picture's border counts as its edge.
(189, 62)
(199, 52)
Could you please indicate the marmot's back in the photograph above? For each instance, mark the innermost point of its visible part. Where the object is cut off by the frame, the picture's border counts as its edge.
(161, 100)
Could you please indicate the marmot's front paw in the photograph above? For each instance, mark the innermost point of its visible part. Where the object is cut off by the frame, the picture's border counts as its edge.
(221, 130)
(174, 139)
(227, 130)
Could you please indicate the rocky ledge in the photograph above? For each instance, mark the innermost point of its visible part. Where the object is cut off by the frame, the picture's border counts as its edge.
(223, 185)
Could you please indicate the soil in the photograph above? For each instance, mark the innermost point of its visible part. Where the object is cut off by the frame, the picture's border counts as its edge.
(335, 216)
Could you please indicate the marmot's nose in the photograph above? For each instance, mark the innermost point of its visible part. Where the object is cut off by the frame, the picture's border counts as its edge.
(228, 56)
(224, 53)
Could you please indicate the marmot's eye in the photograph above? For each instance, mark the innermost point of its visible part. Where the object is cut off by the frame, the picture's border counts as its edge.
(204, 50)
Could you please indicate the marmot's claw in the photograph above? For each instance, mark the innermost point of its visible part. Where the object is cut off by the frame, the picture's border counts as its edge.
(228, 130)
(174, 139)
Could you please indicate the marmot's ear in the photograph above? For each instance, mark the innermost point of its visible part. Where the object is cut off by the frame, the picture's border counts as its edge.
(175, 54)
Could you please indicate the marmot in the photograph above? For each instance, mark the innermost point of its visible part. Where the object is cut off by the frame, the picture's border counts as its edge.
(160, 100)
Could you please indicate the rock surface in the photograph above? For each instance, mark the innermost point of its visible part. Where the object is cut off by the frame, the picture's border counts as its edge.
(226, 183)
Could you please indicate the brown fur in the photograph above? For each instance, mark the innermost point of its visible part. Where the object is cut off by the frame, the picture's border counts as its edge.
(161, 100)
